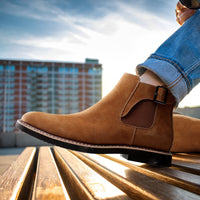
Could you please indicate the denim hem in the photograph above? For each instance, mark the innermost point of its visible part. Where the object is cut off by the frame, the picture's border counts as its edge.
(169, 74)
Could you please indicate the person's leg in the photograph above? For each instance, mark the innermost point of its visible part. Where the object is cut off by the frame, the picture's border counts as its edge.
(135, 119)
(151, 78)
(186, 129)
(177, 61)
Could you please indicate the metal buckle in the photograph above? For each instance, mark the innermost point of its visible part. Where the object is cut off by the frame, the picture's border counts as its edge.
(156, 94)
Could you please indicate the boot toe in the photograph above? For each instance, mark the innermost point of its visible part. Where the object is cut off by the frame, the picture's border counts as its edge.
(34, 119)
(50, 123)
(29, 117)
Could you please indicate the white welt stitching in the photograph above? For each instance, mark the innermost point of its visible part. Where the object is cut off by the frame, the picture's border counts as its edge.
(83, 144)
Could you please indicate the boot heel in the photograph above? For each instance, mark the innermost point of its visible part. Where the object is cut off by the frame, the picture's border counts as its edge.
(150, 157)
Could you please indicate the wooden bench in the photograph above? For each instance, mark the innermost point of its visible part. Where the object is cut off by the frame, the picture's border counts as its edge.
(55, 173)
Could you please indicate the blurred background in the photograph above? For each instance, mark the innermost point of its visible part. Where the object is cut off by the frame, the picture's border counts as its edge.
(62, 56)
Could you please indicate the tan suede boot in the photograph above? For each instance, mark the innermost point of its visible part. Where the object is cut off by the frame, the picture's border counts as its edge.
(186, 134)
(134, 119)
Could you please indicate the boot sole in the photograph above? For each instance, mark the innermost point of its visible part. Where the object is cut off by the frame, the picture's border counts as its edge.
(152, 157)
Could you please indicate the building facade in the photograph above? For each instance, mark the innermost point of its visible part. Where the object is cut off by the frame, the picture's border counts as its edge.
(53, 87)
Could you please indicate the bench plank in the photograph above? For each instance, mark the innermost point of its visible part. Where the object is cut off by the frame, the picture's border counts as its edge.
(17, 180)
(63, 174)
(187, 163)
(85, 182)
(135, 184)
(193, 158)
(172, 176)
(48, 183)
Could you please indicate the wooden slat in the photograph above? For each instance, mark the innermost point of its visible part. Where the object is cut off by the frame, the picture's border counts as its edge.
(136, 184)
(187, 158)
(83, 182)
(15, 183)
(48, 183)
(175, 177)
(189, 155)
(92, 177)
(187, 163)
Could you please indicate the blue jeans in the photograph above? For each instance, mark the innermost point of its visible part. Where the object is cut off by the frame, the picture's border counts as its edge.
(177, 60)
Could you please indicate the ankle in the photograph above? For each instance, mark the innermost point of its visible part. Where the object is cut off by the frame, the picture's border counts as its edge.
(151, 78)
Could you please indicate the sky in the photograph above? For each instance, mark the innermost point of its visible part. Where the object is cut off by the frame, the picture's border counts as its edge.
(120, 33)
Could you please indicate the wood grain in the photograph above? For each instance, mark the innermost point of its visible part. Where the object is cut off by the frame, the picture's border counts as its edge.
(169, 175)
(136, 184)
(85, 183)
(14, 182)
(58, 173)
(187, 163)
(48, 183)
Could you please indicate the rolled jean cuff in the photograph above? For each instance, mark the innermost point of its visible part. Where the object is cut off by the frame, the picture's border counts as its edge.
(169, 74)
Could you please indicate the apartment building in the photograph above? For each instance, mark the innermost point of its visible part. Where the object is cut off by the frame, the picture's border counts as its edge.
(54, 87)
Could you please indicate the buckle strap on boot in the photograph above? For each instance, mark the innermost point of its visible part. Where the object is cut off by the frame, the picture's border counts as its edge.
(160, 95)
(157, 94)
